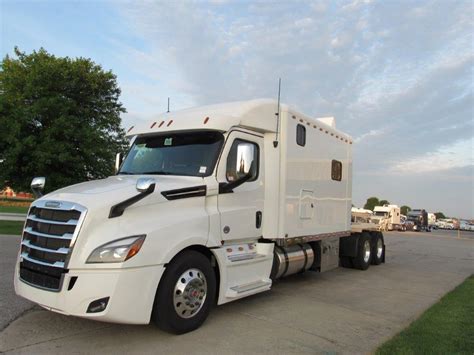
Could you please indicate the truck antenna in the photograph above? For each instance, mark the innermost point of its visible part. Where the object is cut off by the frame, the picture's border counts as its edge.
(168, 105)
(275, 142)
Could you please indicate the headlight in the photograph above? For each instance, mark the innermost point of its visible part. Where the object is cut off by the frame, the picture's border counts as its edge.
(117, 251)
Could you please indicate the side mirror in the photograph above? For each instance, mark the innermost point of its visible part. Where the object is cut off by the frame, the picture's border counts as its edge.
(37, 186)
(145, 185)
(118, 162)
(226, 187)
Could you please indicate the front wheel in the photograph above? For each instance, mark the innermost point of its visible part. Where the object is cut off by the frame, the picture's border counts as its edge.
(185, 294)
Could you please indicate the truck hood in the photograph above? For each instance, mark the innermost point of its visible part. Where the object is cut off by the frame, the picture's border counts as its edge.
(114, 189)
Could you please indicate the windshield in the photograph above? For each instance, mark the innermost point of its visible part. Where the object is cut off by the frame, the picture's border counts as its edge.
(189, 154)
(378, 213)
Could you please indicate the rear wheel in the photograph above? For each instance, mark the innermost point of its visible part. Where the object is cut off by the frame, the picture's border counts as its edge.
(377, 249)
(364, 253)
(185, 294)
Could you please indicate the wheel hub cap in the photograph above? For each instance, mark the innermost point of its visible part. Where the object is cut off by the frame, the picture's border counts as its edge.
(366, 251)
(379, 248)
(190, 293)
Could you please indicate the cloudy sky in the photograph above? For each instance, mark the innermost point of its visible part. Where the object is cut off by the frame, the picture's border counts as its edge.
(397, 75)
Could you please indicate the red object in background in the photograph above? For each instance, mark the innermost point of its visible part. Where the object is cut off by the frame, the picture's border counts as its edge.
(24, 195)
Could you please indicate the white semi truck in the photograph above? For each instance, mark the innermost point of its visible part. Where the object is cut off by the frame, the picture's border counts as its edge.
(210, 205)
(388, 217)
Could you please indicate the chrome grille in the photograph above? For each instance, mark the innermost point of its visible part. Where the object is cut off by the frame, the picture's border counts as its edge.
(50, 231)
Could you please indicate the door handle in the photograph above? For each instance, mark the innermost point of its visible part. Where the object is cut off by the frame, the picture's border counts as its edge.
(258, 219)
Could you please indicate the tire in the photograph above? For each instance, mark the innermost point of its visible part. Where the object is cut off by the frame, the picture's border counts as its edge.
(377, 249)
(186, 293)
(364, 253)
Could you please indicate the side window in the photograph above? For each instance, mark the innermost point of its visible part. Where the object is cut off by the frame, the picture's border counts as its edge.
(301, 135)
(336, 170)
(241, 156)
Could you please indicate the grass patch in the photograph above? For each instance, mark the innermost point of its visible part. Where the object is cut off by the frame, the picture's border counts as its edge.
(446, 328)
(13, 209)
(11, 227)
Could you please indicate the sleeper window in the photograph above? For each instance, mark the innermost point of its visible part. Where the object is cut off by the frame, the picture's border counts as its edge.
(301, 135)
(336, 170)
(239, 161)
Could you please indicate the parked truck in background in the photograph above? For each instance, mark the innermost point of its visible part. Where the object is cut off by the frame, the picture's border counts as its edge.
(419, 217)
(210, 205)
(388, 217)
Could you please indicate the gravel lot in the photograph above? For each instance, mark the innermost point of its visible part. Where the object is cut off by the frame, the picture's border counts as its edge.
(342, 311)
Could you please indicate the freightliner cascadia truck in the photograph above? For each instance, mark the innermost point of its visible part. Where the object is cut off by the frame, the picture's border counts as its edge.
(208, 206)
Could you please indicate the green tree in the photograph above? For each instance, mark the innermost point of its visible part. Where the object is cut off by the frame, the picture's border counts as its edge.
(405, 209)
(371, 203)
(383, 202)
(59, 118)
(440, 215)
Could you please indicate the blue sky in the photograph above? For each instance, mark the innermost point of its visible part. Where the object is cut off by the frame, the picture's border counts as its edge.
(397, 75)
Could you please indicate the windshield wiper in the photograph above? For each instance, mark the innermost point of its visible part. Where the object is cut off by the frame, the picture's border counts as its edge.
(125, 173)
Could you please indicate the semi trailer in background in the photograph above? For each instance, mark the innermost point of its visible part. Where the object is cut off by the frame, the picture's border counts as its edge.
(210, 205)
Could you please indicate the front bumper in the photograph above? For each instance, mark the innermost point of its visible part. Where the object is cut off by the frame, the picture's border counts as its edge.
(131, 291)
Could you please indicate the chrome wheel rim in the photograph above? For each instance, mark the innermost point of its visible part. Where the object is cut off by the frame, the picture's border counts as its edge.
(366, 251)
(379, 248)
(190, 293)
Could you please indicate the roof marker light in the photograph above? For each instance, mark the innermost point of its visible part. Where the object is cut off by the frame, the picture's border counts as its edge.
(301, 120)
(206, 120)
(161, 124)
(294, 117)
(153, 125)
(130, 129)
(321, 129)
(169, 123)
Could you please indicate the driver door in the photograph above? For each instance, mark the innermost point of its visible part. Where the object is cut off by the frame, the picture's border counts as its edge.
(241, 210)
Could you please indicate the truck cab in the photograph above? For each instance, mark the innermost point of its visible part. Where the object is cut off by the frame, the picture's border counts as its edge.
(209, 205)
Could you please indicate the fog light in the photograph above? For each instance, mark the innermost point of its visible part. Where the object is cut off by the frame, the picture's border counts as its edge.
(98, 305)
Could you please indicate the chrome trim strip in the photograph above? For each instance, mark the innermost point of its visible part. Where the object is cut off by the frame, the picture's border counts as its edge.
(241, 257)
(59, 205)
(65, 236)
(311, 238)
(57, 264)
(28, 244)
(71, 222)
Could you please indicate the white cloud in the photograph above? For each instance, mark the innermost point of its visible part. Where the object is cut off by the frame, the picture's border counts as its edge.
(458, 155)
